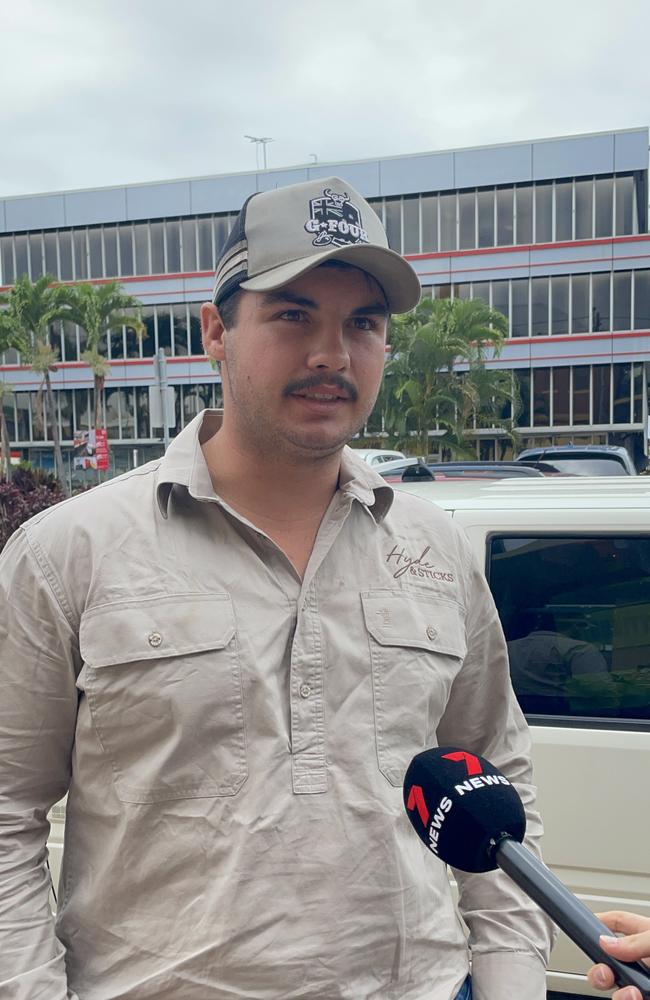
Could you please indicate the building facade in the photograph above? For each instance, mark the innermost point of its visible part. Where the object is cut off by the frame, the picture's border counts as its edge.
(553, 233)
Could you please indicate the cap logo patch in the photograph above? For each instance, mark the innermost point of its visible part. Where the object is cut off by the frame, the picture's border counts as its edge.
(335, 221)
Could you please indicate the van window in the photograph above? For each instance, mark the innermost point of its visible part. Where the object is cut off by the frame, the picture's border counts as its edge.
(575, 612)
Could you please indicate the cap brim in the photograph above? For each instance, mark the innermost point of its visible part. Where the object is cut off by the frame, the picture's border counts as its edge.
(397, 278)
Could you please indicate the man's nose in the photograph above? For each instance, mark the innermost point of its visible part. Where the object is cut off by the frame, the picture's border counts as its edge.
(330, 349)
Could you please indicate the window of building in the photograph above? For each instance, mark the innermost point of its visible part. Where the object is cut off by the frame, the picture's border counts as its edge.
(141, 243)
(543, 212)
(157, 230)
(95, 253)
(604, 206)
(579, 303)
(9, 411)
(541, 397)
(642, 300)
(622, 300)
(188, 238)
(462, 290)
(622, 392)
(22, 266)
(23, 418)
(505, 216)
(429, 208)
(564, 210)
(601, 380)
(222, 225)
(561, 396)
(80, 249)
(125, 241)
(481, 290)
(164, 329)
(149, 340)
(624, 194)
(112, 413)
(179, 316)
(65, 255)
(132, 343)
(448, 222)
(51, 259)
(127, 413)
(110, 251)
(411, 222)
(196, 346)
(142, 411)
(467, 219)
(637, 402)
(173, 246)
(560, 304)
(486, 218)
(206, 251)
(501, 298)
(65, 414)
(117, 343)
(519, 307)
(393, 212)
(600, 316)
(574, 613)
(35, 255)
(580, 394)
(539, 306)
(584, 193)
(524, 381)
(524, 212)
(6, 260)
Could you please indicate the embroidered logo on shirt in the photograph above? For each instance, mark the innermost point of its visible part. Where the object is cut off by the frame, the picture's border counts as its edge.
(417, 566)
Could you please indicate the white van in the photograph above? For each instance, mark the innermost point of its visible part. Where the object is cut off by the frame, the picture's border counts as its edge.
(568, 562)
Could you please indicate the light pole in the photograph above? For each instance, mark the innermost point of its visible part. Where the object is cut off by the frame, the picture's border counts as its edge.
(260, 140)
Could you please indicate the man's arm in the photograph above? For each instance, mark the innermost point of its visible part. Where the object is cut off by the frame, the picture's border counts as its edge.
(38, 709)
(510, 937)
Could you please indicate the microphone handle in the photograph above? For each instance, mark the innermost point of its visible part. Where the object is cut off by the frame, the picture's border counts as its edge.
(566, 910)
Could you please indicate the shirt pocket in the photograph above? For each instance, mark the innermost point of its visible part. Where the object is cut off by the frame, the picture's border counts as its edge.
(163, 681)
(417, 645)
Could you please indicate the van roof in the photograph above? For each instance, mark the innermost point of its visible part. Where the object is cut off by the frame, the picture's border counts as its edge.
(562, 493)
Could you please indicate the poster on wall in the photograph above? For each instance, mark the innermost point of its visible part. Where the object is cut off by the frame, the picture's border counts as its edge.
(91, 449)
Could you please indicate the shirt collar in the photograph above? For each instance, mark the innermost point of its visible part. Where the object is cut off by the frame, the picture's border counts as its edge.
(183, 464)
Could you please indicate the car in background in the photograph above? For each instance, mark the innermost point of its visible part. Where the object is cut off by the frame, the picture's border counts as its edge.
(378, 456)
(417, 469)
(583, 459)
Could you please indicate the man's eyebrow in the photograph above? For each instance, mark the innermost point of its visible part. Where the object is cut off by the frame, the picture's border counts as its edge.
(373, 309)
(273, 298)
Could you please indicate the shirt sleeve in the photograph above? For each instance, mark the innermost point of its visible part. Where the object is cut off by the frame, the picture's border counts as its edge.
(37, 722)
(509, 936)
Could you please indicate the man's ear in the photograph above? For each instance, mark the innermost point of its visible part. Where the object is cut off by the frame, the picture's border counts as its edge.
(212, 331)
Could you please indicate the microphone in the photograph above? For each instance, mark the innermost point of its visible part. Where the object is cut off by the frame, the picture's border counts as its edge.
(471, 817)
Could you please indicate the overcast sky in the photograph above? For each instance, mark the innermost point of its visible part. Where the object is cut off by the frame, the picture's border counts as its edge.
(101, 92)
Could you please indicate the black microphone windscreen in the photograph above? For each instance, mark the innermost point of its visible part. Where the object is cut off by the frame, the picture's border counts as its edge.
(460, 805)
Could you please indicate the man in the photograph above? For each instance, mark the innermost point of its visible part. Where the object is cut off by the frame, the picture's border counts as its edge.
(228, 657)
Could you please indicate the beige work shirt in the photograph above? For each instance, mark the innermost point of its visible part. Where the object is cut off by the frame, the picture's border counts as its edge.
(233, 741)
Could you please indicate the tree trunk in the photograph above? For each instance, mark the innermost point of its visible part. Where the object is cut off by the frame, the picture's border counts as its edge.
(99, 401)
(54, 424)
(6, 447)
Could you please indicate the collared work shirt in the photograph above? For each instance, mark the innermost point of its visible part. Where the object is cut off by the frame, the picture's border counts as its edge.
(233, 741)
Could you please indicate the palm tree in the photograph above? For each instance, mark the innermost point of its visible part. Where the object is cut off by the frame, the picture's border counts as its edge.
(98, 309)
(30, 309)
(427, 389)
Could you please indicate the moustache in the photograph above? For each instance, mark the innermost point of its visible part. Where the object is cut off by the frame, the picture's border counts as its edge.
(314, 381)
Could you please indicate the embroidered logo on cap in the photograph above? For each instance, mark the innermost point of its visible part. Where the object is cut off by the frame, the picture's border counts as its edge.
(335, 221)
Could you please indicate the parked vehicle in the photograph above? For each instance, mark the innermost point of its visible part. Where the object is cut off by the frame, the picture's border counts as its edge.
(583, 460)
(568, 562)
(378, 456)
(418, 469)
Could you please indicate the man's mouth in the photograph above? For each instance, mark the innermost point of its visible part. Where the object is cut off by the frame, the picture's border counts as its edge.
(325, 394)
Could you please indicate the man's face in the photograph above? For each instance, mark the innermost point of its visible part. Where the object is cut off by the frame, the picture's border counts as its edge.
(301, 366)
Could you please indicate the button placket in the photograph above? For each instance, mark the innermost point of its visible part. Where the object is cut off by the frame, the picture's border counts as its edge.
(306, 696)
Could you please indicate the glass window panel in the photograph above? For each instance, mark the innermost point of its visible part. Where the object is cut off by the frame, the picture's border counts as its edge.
(10, 416)
(188, 234)
(221, 224)
(520, 307)
(411, 210)
(22, 266)
(642, 300)
(560, 304)
(36, 255)
(600, 302)
(543, 212)
(84, 410)
(429, 223)
(467, 219)
(622, 393)
(22, 416)
(157, 230)
(206, 256)
(524, 203)
(126, 249)
(80, 254)
(579, 303)
(95, 252)
(132, 343)
(481, 290)
(486, 218)
(164, 329)
(394, 223)
(505, 217)
(637, 402)
(448, 222)
(65, 255)
(6, 248)
(524, 381)
(542, 397)
(462, 290)
(51, 262)
(179, 314)
(70, 352)
(141, 239)
(561, 396)
(500, 298)
(581, 394)
(584, 208)
(117, 343)
(574, 612)
(196, 346)
(442, 291)
(173, 229)
(149, 340)
(622, 300)
(601, 393)
(564, 210)
(539, 306)
(112, 412)
(142, 411)
(604, 205)
(624, 205)
(127, 412)
(64, 403)
(37, 403)
(110, 251)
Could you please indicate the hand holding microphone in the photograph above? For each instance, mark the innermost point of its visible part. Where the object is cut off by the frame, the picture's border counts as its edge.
(635, 945)
(470, 816)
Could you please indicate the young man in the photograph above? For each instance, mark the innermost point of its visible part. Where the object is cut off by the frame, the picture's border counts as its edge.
(227, 659)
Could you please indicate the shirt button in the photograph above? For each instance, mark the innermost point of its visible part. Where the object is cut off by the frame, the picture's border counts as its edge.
(431, 632)
(154, 639)
(305, 690)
